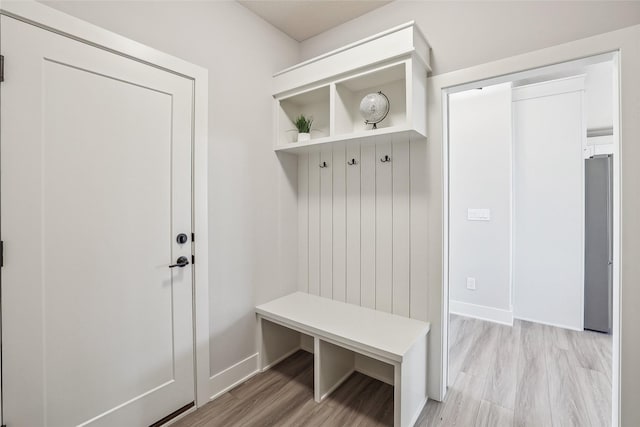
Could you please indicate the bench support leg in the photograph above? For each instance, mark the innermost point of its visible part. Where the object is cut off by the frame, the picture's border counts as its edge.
(410, 388)
(332, 365)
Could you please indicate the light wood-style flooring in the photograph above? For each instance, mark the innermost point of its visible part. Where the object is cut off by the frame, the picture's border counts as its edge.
(525, 375)
(283, 396)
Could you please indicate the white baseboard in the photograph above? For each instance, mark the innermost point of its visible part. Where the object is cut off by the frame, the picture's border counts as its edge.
(481, 312)
(374, 368)
(542, 322)
(280, 359)
(234, 375)
(337, 384)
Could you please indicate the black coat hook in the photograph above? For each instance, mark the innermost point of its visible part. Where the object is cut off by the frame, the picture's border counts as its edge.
(323, 165)
(352, 162)
(385, 159)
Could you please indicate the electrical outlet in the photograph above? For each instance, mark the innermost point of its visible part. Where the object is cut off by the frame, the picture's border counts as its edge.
(471, 283)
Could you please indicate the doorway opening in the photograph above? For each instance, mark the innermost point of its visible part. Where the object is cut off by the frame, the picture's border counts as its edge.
(532, 237)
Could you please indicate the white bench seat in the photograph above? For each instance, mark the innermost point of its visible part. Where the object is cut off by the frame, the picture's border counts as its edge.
(339, 330)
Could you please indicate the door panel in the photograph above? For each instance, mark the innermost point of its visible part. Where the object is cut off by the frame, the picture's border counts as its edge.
(95, 185)
(548, 257)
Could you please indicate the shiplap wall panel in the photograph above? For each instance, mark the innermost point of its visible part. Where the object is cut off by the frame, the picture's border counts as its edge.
(326, 224)
(303, 222)
(384, 227)
(363, 235)
(419, 233)
(353, 224)
(339, 225)
(401, 229)
(314, 223)
(368, 226)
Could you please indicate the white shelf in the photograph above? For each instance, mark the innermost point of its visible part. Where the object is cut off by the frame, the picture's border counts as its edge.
(329, 89)
(396, 134)
(391, 80)
(314, 103)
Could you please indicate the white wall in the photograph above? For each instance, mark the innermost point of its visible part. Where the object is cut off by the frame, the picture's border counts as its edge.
(548, 190)
(480, 177)
(599, 87)
(467, 33)
(252, 193)
(599, 95)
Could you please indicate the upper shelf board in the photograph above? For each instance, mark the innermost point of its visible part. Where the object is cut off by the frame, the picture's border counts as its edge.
(403, 40)
(397, 133)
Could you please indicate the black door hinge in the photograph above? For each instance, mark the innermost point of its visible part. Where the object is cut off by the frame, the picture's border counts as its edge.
(193, 259)
(193, 237)
(1, 68)
(1, 258)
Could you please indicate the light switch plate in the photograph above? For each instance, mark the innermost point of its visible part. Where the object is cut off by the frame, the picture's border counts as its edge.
(478, 214)
(471, 283)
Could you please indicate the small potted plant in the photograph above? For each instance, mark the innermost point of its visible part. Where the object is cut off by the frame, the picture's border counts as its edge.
(303, 125)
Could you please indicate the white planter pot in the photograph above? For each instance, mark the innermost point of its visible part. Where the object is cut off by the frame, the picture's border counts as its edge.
(304, 136)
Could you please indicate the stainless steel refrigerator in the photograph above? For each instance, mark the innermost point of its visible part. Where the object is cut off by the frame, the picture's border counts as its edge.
(598, 277)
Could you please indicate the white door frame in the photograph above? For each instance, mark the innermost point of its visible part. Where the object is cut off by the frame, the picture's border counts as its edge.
(52, 20)
(626, 316)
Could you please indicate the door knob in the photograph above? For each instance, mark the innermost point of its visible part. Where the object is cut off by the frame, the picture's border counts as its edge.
(180, 262)
(182, 238)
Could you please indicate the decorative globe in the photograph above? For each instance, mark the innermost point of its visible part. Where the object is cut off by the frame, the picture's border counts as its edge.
(374, 107)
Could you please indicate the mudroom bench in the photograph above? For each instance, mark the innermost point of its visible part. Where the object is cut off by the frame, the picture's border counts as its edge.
(345, 338)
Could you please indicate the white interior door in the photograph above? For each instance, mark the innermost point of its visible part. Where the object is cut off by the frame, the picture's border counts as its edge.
(95, 186)
(548, 258)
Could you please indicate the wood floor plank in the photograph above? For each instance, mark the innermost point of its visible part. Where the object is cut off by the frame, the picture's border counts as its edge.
(558, 337)
(463, 402)
(206, 416)
(432, 413)
(357, 401)
(482, 351)
(604, 348)
(565, 393)
(466, 330)
(585, 350)
(597, 395)
(490, 415)
(502, 375)
(532, 407)
(275, 377)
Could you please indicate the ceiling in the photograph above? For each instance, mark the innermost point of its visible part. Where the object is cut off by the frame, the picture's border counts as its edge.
(302, 19)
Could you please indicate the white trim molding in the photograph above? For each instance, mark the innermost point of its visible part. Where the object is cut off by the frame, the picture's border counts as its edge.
(549, 88)
(233, 376)
(482, 312)
(542, 322)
